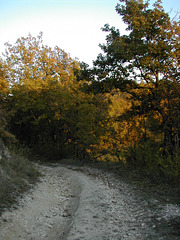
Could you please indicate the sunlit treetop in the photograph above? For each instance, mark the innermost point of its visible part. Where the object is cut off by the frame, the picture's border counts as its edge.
(29, 60)
(149, 51)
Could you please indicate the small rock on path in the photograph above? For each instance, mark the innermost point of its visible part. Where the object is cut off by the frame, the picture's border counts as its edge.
(84, 204)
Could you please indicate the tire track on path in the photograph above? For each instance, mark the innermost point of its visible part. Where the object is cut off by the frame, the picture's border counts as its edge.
(73, 203)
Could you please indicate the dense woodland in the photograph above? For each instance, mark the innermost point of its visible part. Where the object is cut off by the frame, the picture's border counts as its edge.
(125, 108)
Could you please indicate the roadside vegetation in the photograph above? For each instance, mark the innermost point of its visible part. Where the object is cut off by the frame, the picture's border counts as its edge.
(17, 175)
(126, 109)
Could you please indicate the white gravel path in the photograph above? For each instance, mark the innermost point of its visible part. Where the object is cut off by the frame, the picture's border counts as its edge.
(82, 204)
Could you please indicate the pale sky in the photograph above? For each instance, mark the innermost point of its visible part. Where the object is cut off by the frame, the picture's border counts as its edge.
(72, 25)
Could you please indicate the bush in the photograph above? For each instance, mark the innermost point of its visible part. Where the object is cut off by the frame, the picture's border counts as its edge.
(149, 159)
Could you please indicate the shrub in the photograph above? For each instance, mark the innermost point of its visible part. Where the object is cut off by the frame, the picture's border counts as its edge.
(149, 159)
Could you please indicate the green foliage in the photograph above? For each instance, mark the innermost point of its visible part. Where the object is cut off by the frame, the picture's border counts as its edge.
(49, 112)
(125, 108)
(148, 54)
(7, 137)
(148, 158)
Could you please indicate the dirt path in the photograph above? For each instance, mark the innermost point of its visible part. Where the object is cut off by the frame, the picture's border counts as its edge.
(87, 204)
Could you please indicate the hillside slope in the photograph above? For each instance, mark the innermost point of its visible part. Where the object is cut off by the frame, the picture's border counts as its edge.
(17, 175)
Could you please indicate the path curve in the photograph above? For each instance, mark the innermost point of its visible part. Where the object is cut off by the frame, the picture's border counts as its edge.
(80, 204)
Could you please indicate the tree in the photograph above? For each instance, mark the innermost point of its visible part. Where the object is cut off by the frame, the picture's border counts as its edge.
(30, 62)
(4, 84)
(40, 80)
(4, 92)
(149, 53)
(50, 111)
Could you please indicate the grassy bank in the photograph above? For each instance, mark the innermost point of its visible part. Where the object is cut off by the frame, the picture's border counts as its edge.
(17, 175)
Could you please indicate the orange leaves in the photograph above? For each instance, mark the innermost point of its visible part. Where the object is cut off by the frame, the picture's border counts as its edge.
(29, 60)
(119, 103)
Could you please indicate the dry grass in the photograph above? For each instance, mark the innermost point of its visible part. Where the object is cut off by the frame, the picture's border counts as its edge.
(17, 175)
